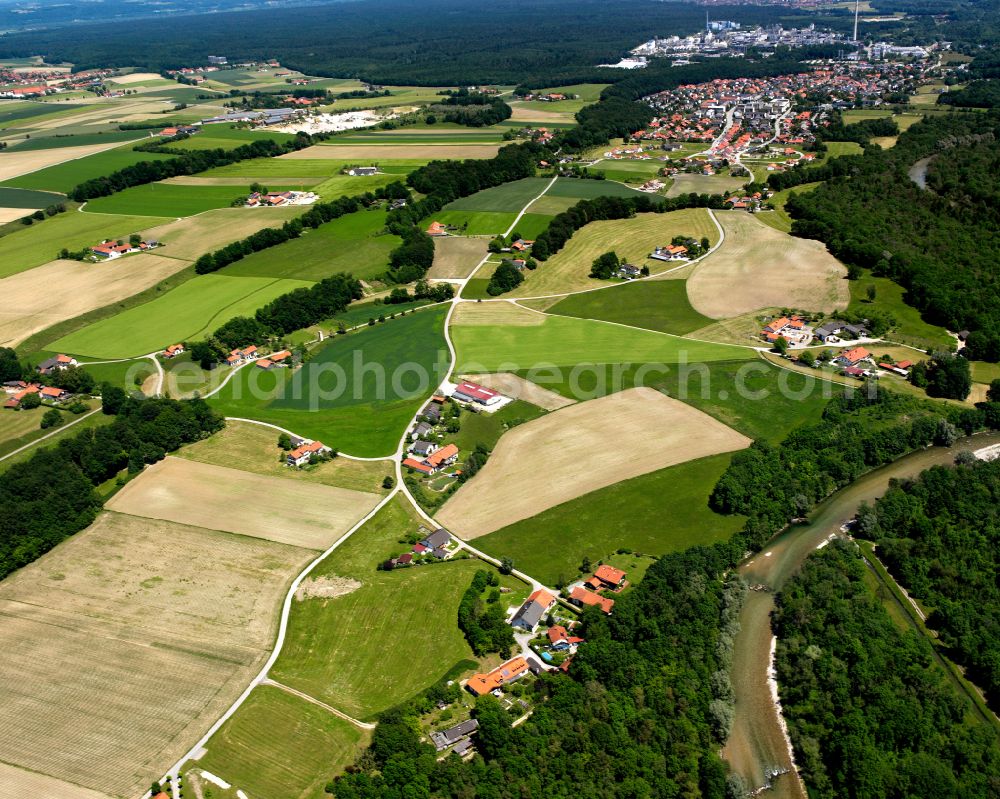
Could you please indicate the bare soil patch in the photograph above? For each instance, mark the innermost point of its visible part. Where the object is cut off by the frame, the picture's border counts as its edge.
(329, 586)
(191, 237)
(10, 214)
(525, 113)
(495, 313)
(378, 151)
(219, 498)
(760, 267)
(457, 256)
(124, 643)
(38, 298)
(580, 449)
(517, 387)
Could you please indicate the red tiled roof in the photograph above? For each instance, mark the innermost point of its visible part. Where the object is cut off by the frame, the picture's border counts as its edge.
(609, 574)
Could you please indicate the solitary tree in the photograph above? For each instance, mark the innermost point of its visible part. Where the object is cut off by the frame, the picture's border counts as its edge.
(871, 291)
(780, 345)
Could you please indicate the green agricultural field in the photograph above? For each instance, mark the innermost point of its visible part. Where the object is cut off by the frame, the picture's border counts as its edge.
(357, 392)
(475, 223)
(393, 636)
(566, 342)
(14, 111)
(44, 112)
(339, 185)
(428, 135)
(76, 140)
(353, 243)
(27, 199)
(779, 218)
(664, 511)
(21, 427)
(168, 199)
(41, 242)
(653, 304)
(279, 746)
(358, 313)
(278, 169)
(583, 189)
(754, 397)
(189, 312)
(228, 137)
(126, 374)
(910, 328)
(64, 177)
(65, 431)
(985, 372)
(507, 198)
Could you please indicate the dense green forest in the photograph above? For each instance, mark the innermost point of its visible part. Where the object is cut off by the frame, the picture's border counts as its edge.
(51, 496)
(939, 536)
(869, 710)
(485, 623)
(941, 244)
(641, 713)
(432, 43)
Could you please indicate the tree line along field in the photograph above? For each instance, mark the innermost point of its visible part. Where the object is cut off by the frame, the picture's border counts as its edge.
(353, 243)
(191, 311)
(178, 639)
(65, 176)
(360, 412)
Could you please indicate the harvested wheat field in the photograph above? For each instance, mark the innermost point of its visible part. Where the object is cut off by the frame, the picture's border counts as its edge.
(368, 152)
(760, 267)
(136, 77)
(15, 164)
(579, 449)
(193, 236)
(704, 184)
(10, 214)
(517, 387)
(126, 642)
(457, 256)
(219, 498)
(18, 782)
(495, 313)
(60, 290)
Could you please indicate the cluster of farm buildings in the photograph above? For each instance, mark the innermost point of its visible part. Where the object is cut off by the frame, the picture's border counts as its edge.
(17, 390)
(108, 249)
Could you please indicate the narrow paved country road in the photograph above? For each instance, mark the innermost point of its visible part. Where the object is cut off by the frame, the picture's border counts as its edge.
(364, 725)
(56, 431)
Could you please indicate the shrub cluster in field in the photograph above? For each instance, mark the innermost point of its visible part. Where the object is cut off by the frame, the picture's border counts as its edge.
(485, 626)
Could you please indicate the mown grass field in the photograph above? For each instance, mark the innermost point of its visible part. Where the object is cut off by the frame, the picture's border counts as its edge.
(566, 342)
(507, 198)
(41, 242)
(779, 218)
(353, 243)
(168, 199)
(664, 511)
(632, 239)
(910, 328)
(357, 392)
(64, 431)
(13, 111)
(227, 137)
(280, 168)
(27, 199)
(476, 223)
(653, 304)
(76, 140)
(279, 746)
(391, 637)
(254, 448)
(65, 176)
(189, 312)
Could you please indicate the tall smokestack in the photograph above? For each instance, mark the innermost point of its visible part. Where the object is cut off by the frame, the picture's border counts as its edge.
(857, 8)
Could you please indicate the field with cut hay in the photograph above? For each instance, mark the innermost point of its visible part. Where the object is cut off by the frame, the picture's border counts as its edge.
(218, 498)
(457, 256)
(126, 642)
(760, 267)
(580, 449)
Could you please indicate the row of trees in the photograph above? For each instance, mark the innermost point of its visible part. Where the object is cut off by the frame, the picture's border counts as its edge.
(485, 623)
(472, 109)
(869, 710)
(51, 496)
(858, 432)
(940, 537)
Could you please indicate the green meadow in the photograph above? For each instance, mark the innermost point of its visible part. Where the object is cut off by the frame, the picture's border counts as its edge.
(191, 311)
(563, 342)
(64, 177)
(76, 140)
(41, 242)
(167, 199)
(353, 243)
(280, 168)
(392, 637)
(909, 328)
(357, 392)
(475, 223)
(507, 198)
(14, 111)
(27, 199)
(278, 745)
(660, 512)
(660, 305)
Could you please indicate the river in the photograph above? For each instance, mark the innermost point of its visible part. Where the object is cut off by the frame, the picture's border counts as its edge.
(918, 172)
(757, 742)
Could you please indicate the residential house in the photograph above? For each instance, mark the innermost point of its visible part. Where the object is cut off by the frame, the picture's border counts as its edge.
(14, 386)
(280, 358)
(505, 673)
(420, 430)
(53, 393)
(16, 397)
(629, 271)
(473, 392)
(520, 245)
(580, 596)
(672, 252)
(173, 351)
(560, 640)
(417, 466)
(451, 736)
(421, 449)
(445, 456)
(245, 355)
(363, 171)
(853, 357)
(531, 612)
(439, 539)
(437, 229)
(432, 411)
(56, 364)
(109, 250)
(828, 331)
(607, 578)
(265, 363)
(463, 747)
(398, 562)
(302, 453)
